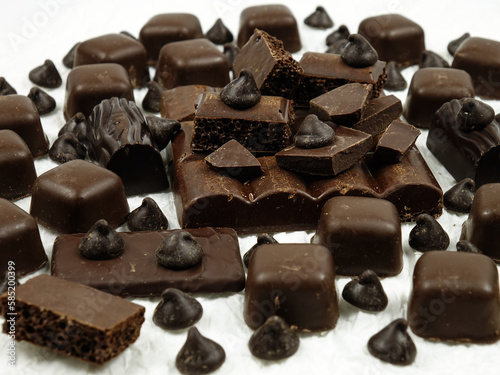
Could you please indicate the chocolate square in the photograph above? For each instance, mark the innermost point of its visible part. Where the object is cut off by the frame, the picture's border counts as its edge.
(179, 103)
(378, 115)
(395, 142)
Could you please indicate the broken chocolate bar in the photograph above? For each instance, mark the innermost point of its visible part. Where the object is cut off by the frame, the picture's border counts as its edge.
(395, 142)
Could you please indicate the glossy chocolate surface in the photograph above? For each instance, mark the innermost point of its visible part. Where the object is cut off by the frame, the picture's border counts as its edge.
(378, 114)
(395, 142)
(179, 103)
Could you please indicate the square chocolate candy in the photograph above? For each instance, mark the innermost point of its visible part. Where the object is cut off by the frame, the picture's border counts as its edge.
(455, 297)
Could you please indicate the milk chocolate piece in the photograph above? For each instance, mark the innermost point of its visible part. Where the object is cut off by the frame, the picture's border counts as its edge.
(358, 52)
(379, 114)
(319, 19)
(177, 310)
(152, 99)
(71, 319)
(313, 133)
(179, 251)
(455, 297)
(67, 147)
(366, 292)
(137, 274)
(179, 103)
(101, 242)
(395, 80)
(274, 340)
(219, 33)
(69, 59)
(393, 344)
(430, 59)
(242, 92)
(428, 235)
(44, 103)
(46, 75)
(455, 43)
(6, 88)
(459, 197)
(148, 216)
(341, 33)
(395, 142)
(261, 240)
(162, 130)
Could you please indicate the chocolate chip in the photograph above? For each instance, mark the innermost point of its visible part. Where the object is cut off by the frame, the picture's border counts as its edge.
(101, 242)
(319, 19)
(148, 216)
(219, 33)
(231, 50)
(199, 355)
(242, 92)
(69, 59)
(177, 310)
(6, 88)
(126, 33)
(341, 33)
(459, 197)
(313, 133)
(178, 251)
(358, 52)
(262, 239)
(429, 59)
(453, 45)
(152, 99)
(44, 103)
(393, 344)
(337, 47)
(162, 129)
(428, 234)
(474, 115)
(468, 247)
(395, 80)
(76, 125)
(67, 147)
(46, 75)
(366, 292)
(274, 340)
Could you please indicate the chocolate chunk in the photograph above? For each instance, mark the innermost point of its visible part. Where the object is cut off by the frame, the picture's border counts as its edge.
(176, 310)
(454, 44)
(379, 114)
(430, 59)
(46, 75)
(366, 292)
(262, 239)
(162, 129)
(11, 279)
(126, 33)
(314, 133)
(67, 147)
(358, 52)
(393, 344)
(44, 103)
(219, 33)
(341, 33)
(199, 355)
(428, 234)
(319, 19)
(274, 340)
(395, 142)
(148, 216)
(231, 50)
(179, 251)
(152, 99)
(468, 247)
(337, 47)
(180, 102)
(101, 242)
(69, 58)
(6, 88)
(242, 92)
(474, 115)
(459, 197)
(76, 125)
(395, 80)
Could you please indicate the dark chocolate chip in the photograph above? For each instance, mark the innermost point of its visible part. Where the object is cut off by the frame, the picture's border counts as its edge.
(219, 33)
(337, 47)
(319, 19)
(162, 129)
(152, 99)
(428, 234)
(199, 355)
(242, 92)
(46, 75)
(69, 59)
(358, 52)
(148, 216)
(366, 292)
(459, 197)
(67, 147)
(429, 59)
(231, 50)
(76, 125)
(474, 115)
(274, 340)
(453, 45)
(126, 33)
(313, 133)
(262, 239)
(341, 33)
(395, 80)
(6, 88)
(393, 344)
(468, 247)
(44, 103)
(178, 251)
(101, 242)
(177, 310)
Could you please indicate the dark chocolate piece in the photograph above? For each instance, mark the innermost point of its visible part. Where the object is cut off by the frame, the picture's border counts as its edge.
(497, 118)
(219, 33)
(46, 75)
(474, 115)
(6, 88)
(148, 216)
(459, 197)
(313, 133)
(199, 355)
(341, 33)
(319, 19)
(454, 44)
(231, 50)
(428, 235)
(152, 99)
(101, 242)
(468, 247)
(262, 239)
(180, 103)
(358, 52)
(242, 92)
(393, 344)
(179, 251)
(69, 59)
(379, 114)
(76, 125)
(430, 59)
(395, 80)
(162, 129)
(62, 316)
(337, 47)
(366, 292)
(274, 340)
(44, 103)
(395, 142)
(177, 310)
(67, 147)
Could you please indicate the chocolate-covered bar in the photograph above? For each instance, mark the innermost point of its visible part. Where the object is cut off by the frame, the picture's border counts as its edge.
(20, 240)
(179, 103)
(472, 154)
(480, 58)
(115, 48)
(16, 166)
(275, 19)
(378, 115)
(361, 233)
(136, 273)
(73, 319)
(295, 282)
(395, 37)
(455, 297)
(395, 142)
(430, 88)
(18, 113)
(120, 140)
(71, 197)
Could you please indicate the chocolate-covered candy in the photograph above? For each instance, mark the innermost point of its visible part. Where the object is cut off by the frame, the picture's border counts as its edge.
(319, 19)
(76, 125)
(152, 99)
(430, 59)
(474, 115)
(366, 292)
(379, 114)
(44, 103)
(341, 33)
(468, 247)
(455, 43)
(178, 251)
(393, 344)
(395, 80)
(358, 52)
(6, 88)
(395, 142)
(262, 239)
(219, 33)
(69, 59)
(148, 216)
(162, 129)
(101, 242)
(428, 234)
(242, 92)
(177, 310)
(313, 133)
(274, 340)
(459, 197)
(46, 75)
(337, 47)
(231, 50)
(67, 147)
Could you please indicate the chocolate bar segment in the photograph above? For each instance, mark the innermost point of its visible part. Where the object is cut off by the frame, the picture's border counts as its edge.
(395, 142)
(179, 103)
(378, 115)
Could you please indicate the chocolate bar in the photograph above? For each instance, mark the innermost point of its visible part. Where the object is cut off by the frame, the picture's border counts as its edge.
(378, 115)
(395, 142)
(179, 103)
